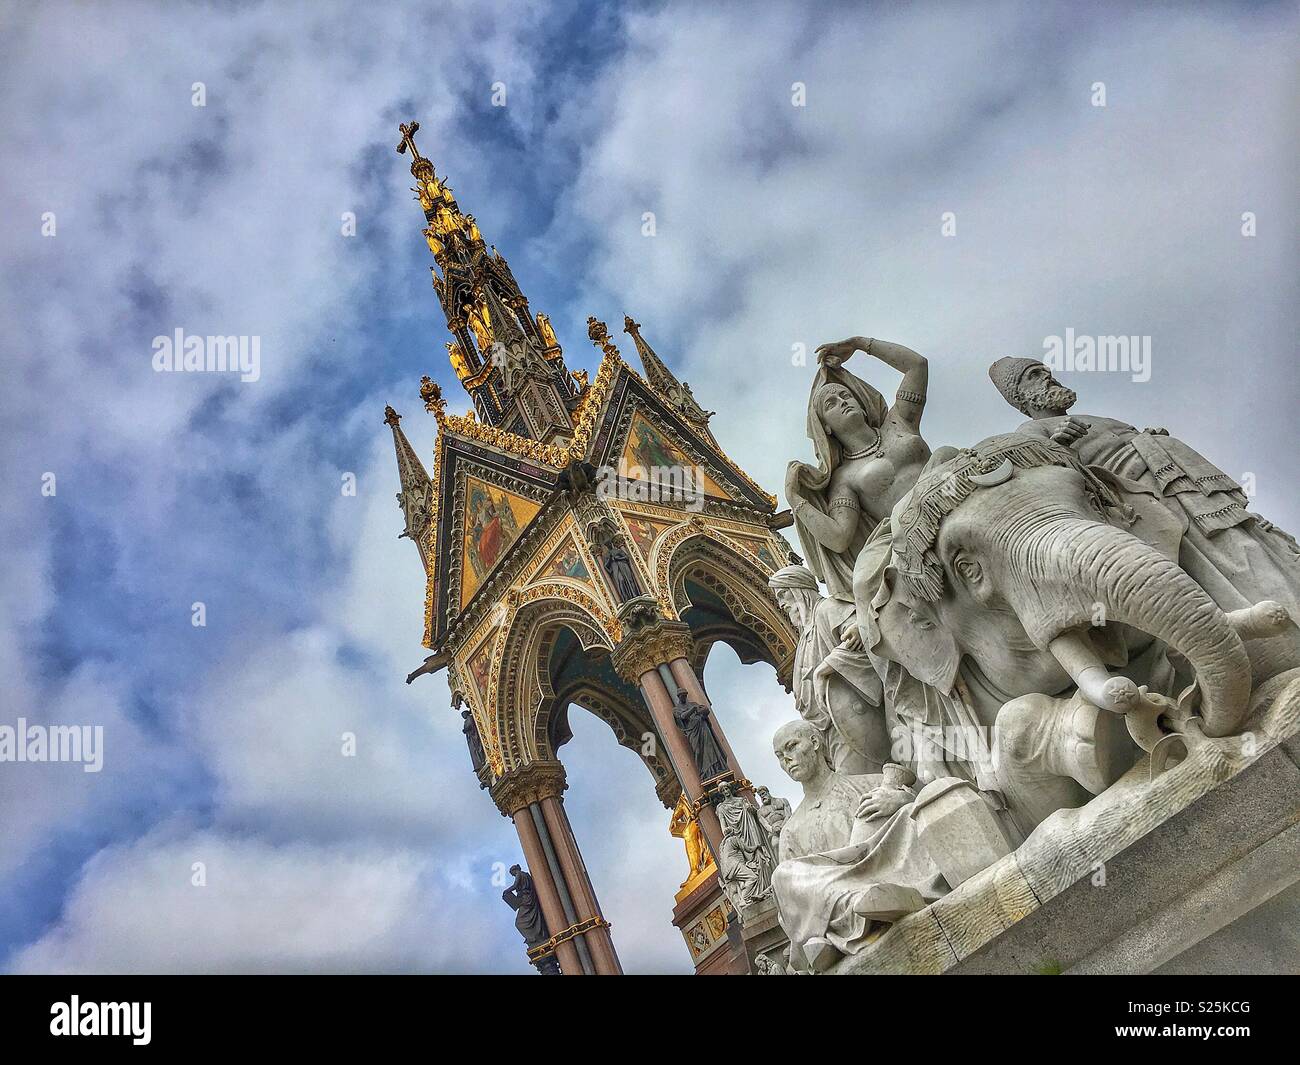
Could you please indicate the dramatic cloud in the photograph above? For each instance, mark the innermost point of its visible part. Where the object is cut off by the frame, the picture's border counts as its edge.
(775, 226)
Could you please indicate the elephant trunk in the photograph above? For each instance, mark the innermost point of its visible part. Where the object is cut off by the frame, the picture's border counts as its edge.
(1090, 565)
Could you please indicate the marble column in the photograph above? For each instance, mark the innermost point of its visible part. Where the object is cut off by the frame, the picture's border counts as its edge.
(547, 894)
(530, 796)
(586, 905)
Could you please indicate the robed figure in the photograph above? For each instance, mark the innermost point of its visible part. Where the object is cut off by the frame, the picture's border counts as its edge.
(746, 860)
(476, 755)
(521, 896)
(693, 720)
(618, 565)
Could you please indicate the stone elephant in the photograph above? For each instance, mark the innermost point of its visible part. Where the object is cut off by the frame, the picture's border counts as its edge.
(1020, 579)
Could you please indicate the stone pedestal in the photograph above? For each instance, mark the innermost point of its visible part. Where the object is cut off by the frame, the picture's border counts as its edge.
(763, 934)
(704, 916)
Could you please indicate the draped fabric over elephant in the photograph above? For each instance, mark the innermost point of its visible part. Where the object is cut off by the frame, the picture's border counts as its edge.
(1238, 557)
(835, 568)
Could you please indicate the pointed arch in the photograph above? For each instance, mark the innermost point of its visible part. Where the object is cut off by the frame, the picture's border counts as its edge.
(721, 592)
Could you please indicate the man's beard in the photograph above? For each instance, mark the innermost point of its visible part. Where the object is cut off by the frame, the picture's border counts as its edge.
(1053, 397)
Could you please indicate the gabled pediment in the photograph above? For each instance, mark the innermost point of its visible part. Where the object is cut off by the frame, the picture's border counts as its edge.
(639, 434)
(488, 500)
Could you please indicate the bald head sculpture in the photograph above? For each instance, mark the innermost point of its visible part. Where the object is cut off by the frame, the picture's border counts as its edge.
(802, 752)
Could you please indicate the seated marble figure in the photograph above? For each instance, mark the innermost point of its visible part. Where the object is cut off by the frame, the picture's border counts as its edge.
(850, 859)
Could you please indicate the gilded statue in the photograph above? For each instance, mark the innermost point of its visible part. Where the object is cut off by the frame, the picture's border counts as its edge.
(685, 827)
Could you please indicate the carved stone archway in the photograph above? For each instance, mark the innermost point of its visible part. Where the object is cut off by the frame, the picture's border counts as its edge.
(724, 596)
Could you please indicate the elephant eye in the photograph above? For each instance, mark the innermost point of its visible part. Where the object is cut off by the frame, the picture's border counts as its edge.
(920, 621)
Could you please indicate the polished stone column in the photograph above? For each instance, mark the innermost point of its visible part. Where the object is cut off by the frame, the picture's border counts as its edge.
(654, 655)
(530, 796)
(547, 894)
(585, 903)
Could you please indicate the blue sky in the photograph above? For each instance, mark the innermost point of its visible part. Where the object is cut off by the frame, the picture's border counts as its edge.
(775, 226)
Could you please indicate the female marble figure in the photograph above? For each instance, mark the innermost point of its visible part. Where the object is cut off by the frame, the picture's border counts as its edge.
(868, 456)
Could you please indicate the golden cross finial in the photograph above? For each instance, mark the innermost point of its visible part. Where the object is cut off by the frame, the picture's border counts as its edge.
(409, 130)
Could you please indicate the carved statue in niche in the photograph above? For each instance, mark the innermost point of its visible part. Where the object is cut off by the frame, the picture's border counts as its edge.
(618, 565)
(476, 755)
(547, 331)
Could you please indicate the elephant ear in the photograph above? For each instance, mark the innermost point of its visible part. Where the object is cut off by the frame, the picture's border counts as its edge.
(909, 635)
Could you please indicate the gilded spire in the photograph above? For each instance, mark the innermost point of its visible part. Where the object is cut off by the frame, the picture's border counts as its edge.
(677, 394)
(488, 315)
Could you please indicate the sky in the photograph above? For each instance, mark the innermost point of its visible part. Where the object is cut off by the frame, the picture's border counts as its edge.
(946, 176)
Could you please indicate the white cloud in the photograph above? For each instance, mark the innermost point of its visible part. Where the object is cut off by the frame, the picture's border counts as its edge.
(289, 907)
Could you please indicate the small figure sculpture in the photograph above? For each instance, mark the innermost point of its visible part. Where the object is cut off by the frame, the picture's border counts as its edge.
(618, 564)
(547, 331)
(772, 815)
(686, 828)
(477, 757)
(521, 896)
(693, 719)
(850, 857)
(480, 323)
(836, 687)
(745, 864)
(772, 964)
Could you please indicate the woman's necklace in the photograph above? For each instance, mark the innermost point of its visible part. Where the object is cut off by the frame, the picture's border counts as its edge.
(876, 447)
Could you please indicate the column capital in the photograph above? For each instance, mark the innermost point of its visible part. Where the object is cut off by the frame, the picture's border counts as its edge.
(525, 784)
(649, 645)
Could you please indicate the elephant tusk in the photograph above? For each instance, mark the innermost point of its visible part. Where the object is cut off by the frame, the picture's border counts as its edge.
(994, 477)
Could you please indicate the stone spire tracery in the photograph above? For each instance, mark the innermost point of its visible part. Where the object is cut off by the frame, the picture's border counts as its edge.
(416, 497)
(677, 394)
